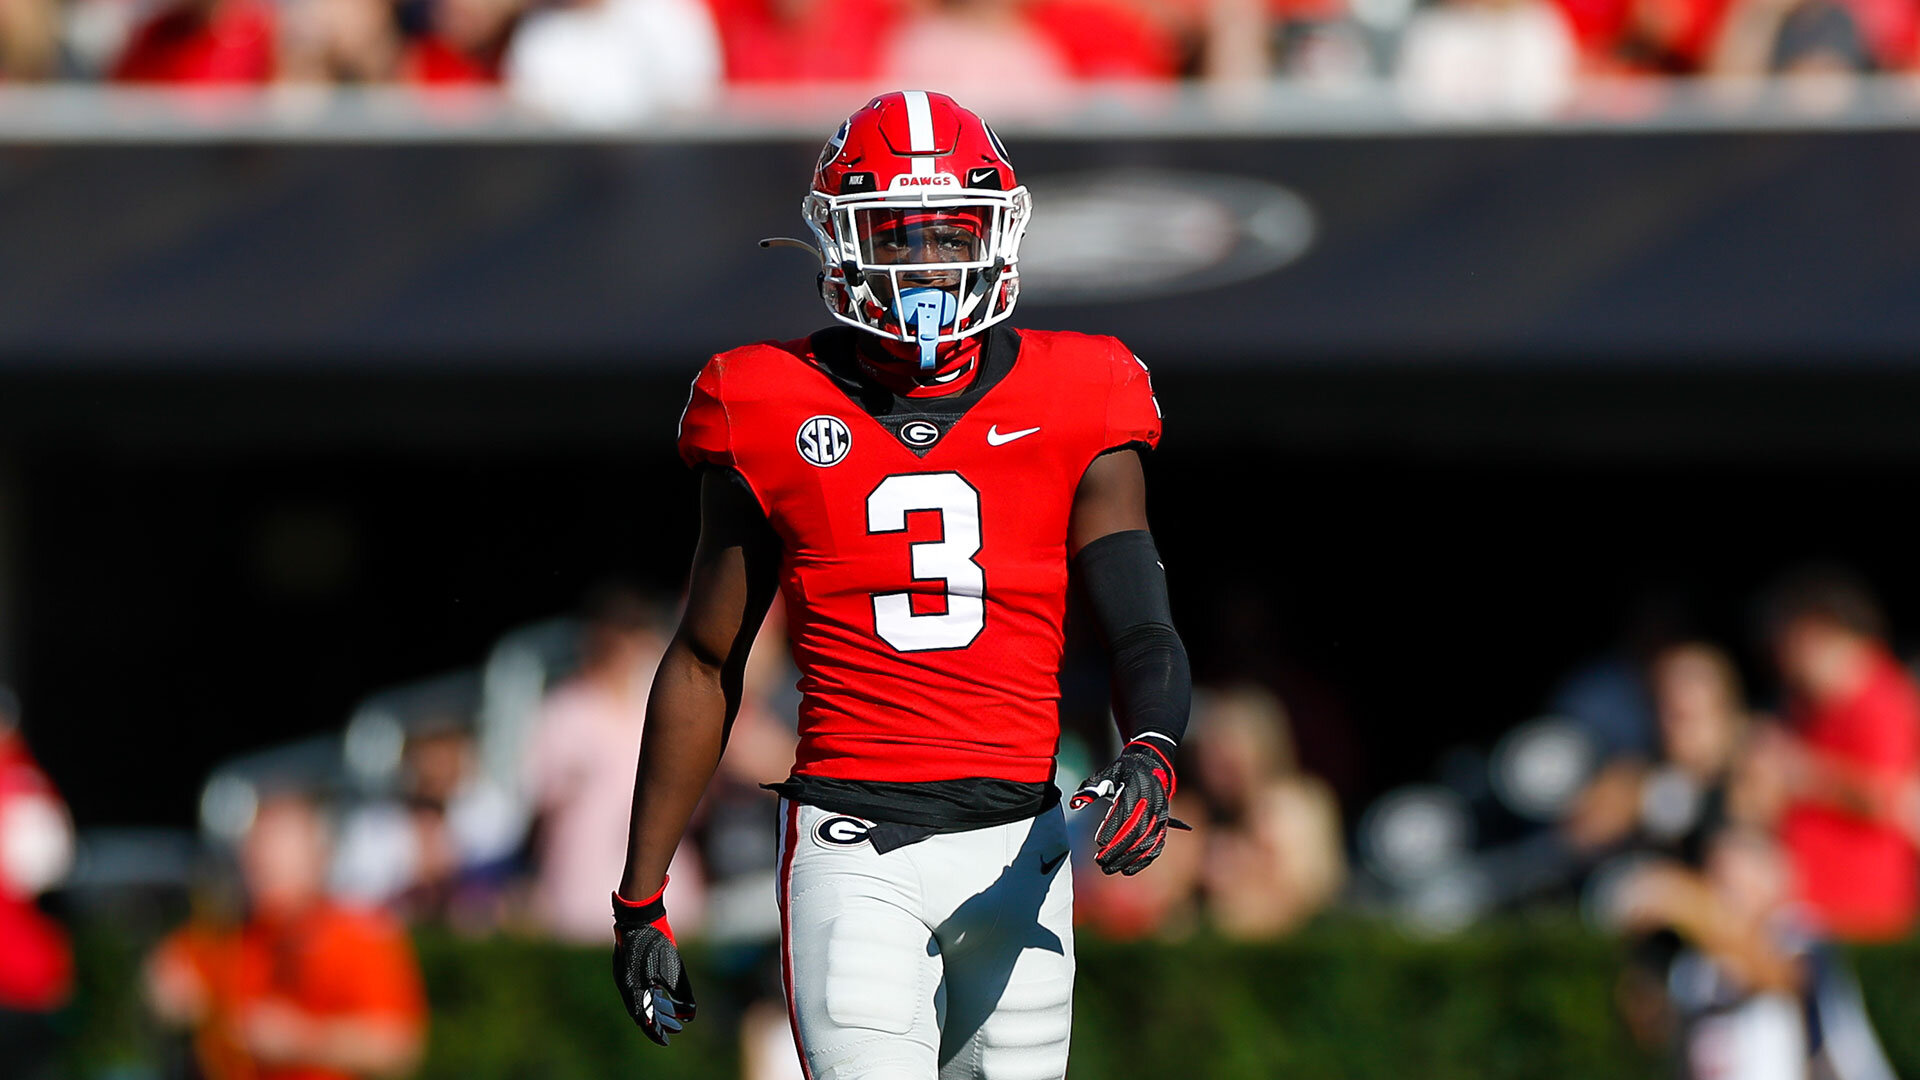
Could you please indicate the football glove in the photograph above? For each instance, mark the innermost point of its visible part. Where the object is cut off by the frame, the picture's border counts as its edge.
(1140, 782)
(647, 969)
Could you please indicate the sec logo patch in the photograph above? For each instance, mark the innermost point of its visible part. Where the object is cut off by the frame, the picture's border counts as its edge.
(823, 440)
(842, 832)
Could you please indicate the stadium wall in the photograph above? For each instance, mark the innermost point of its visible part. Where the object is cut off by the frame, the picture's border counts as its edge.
(1565, 247)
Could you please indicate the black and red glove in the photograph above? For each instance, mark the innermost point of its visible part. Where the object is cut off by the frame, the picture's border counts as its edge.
(1141, 783)
(647, 969)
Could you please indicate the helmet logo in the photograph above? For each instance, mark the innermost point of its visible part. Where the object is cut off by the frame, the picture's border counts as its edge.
(919, 433)
(992, 137)
(823, 440)
(832, 149)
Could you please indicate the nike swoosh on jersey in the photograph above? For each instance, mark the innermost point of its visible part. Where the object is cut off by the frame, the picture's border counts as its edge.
(994, 438)
(1047, 866)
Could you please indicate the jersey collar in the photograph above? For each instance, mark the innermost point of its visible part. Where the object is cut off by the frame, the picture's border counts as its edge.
(836, 353)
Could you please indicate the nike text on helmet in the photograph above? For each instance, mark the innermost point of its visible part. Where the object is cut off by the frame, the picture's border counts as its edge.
(919, 220)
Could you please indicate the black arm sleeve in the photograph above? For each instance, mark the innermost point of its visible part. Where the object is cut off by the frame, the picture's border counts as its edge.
(1126, 585)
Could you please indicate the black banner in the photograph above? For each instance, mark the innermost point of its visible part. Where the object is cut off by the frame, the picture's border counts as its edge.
(1675, 248)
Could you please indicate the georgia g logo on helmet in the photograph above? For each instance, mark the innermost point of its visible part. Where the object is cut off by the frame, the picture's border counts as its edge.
(918, 218)
(832, 150)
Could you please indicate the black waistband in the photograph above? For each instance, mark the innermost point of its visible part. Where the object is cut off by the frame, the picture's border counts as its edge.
(915, 811)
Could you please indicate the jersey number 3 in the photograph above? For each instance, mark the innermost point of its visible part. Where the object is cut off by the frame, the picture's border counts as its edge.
(948, 559)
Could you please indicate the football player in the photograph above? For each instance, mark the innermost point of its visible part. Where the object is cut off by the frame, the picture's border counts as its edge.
(917, 481)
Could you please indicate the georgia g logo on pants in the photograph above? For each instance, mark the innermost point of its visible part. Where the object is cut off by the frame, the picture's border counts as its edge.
(842, 832)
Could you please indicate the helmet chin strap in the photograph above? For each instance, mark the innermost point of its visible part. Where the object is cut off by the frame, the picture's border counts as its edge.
(925, 310)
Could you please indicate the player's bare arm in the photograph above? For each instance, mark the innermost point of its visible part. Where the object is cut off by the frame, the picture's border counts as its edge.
(696, 691)
(1119, 570)
(1111, 498)
(695, 697)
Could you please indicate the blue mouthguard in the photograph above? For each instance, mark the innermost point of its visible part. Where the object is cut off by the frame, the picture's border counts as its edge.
(925, 310)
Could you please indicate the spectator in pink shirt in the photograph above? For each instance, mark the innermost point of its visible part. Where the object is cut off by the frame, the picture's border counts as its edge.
(580, 772)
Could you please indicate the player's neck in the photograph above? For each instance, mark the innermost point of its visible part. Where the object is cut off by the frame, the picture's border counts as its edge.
(895, 365)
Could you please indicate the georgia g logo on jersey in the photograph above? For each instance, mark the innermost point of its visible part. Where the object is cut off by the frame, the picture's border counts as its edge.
(823, 440)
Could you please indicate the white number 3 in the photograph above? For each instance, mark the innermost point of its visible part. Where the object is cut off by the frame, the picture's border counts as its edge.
(948, 559)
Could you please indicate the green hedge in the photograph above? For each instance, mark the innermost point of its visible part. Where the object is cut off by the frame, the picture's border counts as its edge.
(1509, 1000)
(1359, 1002)
(1891, 979)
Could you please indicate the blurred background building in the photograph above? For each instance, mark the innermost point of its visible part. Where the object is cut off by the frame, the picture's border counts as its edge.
(1538, 377)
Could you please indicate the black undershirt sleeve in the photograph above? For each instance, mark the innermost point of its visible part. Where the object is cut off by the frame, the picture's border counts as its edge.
(1126, 586)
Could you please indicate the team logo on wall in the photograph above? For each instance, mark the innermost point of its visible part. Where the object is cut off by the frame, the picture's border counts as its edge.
(1223, 229)
(919, 433)
(823, 440)
(842, 831)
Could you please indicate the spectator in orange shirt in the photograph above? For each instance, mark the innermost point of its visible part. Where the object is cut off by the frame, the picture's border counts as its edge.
(1850, 763)
(304, 989)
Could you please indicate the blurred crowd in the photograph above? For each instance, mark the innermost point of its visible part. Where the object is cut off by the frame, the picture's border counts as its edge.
(620, 62)
(1754, 844)
(1732, 848)
(451, 846)
(295, 959)
(1736, 850)
(36, 851)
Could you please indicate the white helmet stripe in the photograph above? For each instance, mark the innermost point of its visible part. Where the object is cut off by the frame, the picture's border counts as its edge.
(919, 122)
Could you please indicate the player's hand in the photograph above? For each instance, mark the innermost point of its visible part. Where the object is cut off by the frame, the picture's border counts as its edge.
(1140, 782)
(647, 969)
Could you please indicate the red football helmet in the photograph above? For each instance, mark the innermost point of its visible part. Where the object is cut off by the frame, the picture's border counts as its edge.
(919, 219)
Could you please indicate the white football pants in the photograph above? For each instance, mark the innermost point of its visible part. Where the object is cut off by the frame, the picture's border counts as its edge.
(947, 959)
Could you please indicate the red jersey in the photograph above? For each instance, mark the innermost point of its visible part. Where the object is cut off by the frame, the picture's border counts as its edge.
(233, 43)
(924, 560)
(36, 963)
(1860, 877)
(766, 41)
(430, 61)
